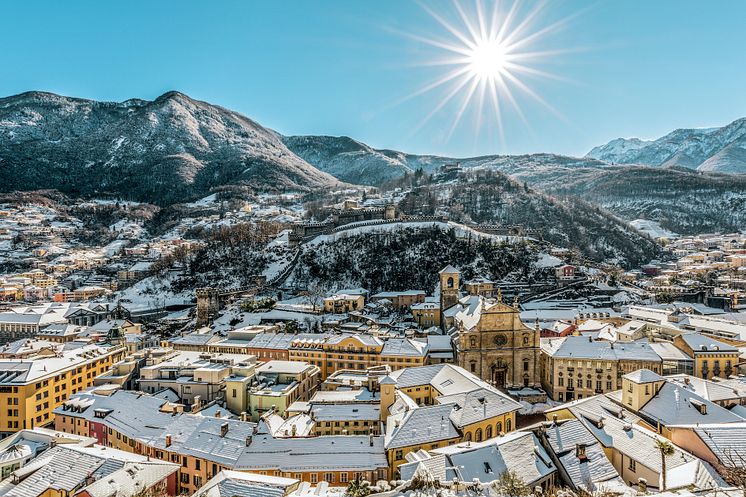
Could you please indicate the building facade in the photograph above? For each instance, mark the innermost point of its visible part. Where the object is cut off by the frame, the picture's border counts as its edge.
(493, 343)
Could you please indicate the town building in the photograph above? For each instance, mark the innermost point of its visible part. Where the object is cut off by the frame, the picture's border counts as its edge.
(711, 357)
(272, 387)
(493, 343)
(517, 452)
(342, 303)
(33, 386)
(575, 367)
(439, 405)
(360, 351)
(192, 375)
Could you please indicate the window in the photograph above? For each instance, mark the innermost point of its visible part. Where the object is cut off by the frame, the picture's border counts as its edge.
(632, 465)
(329, 477)
(525, 364)
(234, 393)
(561, 382)
(314, 477)
(343, 477)
(509, 425)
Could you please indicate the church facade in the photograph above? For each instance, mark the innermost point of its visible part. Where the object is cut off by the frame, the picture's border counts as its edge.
(491, 340)
(497, 346)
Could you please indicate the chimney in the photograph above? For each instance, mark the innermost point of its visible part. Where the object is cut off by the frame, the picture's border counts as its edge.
(294, 430)
(248, 440)
(224, 429)
(217, 414)
(642, 485)
(244, 416)
(590, 338)
(168, 440)
(370, 439)
(554, 419)
(580, 452)
(686, 380)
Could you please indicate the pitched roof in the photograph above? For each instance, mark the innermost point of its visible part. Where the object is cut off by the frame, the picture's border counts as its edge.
(594, 469)
(643, 376)
(478, 405)
(673, 405)
(448, 269)
(425, 424)
(333, 453)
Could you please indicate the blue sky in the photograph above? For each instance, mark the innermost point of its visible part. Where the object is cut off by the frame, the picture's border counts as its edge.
(340, 67)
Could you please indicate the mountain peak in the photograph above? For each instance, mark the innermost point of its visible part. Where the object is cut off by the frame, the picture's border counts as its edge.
(706, 149)
(163, 151)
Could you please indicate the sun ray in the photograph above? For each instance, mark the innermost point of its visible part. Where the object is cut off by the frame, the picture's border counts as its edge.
(505, 25)
(524, 24)
(490, 53)
(431, 86)
(455, 32)
(480, 18)
(517, 82)
(536, 72)
(467, 100)
(467, 22)
(442, 103)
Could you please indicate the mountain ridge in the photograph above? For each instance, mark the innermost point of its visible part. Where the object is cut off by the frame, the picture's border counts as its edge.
(719, 149)
(184, 147)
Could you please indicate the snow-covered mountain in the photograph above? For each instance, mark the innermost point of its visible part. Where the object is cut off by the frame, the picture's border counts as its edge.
(347, 159)
(707, 149)
(355, 162)
(162, 151)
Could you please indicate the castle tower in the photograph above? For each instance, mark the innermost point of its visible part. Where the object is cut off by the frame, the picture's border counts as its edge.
(208, 305)
(450, 281)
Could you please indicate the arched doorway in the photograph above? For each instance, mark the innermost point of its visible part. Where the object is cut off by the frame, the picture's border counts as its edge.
(499, 374)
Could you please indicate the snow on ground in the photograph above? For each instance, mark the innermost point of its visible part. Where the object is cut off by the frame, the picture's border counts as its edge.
(652, 229)
(546, 260)
(114, 247)
(234, 318)
(204, 202)
(153, 293)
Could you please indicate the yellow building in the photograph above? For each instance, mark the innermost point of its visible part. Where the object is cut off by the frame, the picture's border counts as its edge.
(426, 314)
(204, 445)
(577, 367)
(278, 384)
(342, 303)
(32, 387)
(334, 352)
(439, 405)
(711, 357)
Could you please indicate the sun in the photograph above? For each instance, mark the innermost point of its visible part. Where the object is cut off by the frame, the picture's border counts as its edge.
(487, 60)
(491, 53)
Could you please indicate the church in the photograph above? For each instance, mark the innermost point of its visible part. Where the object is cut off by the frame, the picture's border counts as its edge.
(490, 339)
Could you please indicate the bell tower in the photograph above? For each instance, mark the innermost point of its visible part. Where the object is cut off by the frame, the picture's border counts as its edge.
(450, 281)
